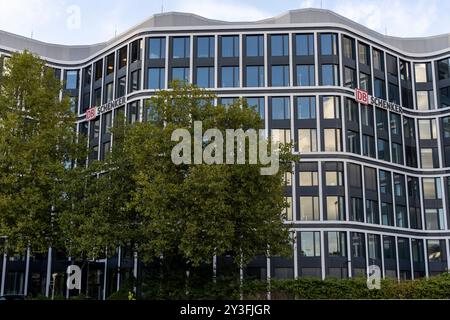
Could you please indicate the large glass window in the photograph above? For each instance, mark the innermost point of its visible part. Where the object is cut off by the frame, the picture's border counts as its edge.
(281, 109)
(421, 71)
(389, 248)
(307, 140)
(353, 143)
(374, 244)
(331, 107)
(308, 179)
(426, 156)
(280, 45)
(402, 216)
(109, 96)
(135, 81)
(434, 219)
(304, 44)
(337, 244)
(98, 70)
(258, 104)
(385, 182)
(367, 116)
(435, 249)
(427, 129)
(351, 110)
(180, 74)
(365, 82)
(305, 75)
(157, 48)
(328, 44)
(282, 136)
(306, 108)
(310, 244)
(156, 78)
(71, 80)
(255, 46)
(230, 46)
(329, 75)
(356, 210)
(380, 88)
(230, 77)
(255, 76)
(396, 124)
(121, 87)
(383, 150)
(373, 217)
(280, 76)
(206, 47)
(349, 78)
(309, 209)
(391, 63)
(378, 60)
(136, 47)
(425, 100)
(444, 69)
(123, 57)
(334, 179)
(348, 48)
(332, 140)
(432, 188)
(387, 214)
(110, 63)
(335, 208)
(364, 54)
(205, 77)
(181, 47)
(368, 146)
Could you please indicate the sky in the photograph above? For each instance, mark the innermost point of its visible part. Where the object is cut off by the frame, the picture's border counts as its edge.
(74, 22)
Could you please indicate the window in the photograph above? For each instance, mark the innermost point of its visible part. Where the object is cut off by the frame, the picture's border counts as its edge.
(386, 214)
(421, 70)
(380, 88)
(445, 97)
(348, 48)
(280, 76)
(432, 189)
(121, 87)
(370, 177)
(282, 136)
(385, 182)
(434, 219)
(331, 107)
(307, 140)
(405, 71)
(181, 47)
(206, 47)
(368, 146)
(335, 209)
(334, 179)
(305, 75)
(328, 44)
(337, 244)
(374, 244)
(365, 82)
(135, 81)
(396, 124)
(332, 140)
(136, 51)
(394, 95)
(306, 108)
(427, 129)
(288, 211)
(107, 123)
(228, 101)
(329, 75)
(258, 104)
(446, 127)
(391, 63)
(444, 69)
(255, 76)
(425, 100)
(110, 63)
(435, 249)
(401, 214)
(98, 97)
(358, 245)
(397, 153)
(383, 150)
(351, 110)
(230, 46)
(356, 210)
(230, 77)
(354, 176)
(73, 103)
(399, 185)
(310, 244)
(349, 78)
(389, 248)
(409, 127)
(367, 116)
(364, 54)
(382, 120)
(378, 60)
(87, 74)
(373, 216)
(71, 80)
(308, 179)
(156, 78)
(255, 46)
(417, 250)
(157, 48)
(281, 109)
(205, 77)
(304, 44)
(309, 209)
(109, 92)
(123, 57)
(280, 45)
(98, 70)
(426, 155)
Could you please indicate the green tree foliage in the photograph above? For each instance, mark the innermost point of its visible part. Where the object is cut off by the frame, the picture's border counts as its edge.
(37, 144)
(198, 211)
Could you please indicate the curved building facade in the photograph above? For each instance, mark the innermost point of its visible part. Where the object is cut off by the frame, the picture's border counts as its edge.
(369, 114)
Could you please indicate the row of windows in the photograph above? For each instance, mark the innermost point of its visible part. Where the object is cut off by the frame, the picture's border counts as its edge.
(389, 197)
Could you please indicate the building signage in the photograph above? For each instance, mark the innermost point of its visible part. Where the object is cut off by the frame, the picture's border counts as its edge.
(363, 97)
(94, 112)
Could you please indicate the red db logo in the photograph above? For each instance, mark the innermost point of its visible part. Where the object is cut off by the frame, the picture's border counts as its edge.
(362, 96)
(91, 114)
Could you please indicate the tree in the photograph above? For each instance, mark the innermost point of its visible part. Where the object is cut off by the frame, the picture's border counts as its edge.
(37, 146)
(198, 211)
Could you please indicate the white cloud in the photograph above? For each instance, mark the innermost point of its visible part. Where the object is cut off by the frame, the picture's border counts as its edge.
(215, 9)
